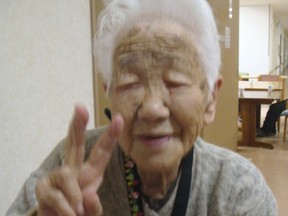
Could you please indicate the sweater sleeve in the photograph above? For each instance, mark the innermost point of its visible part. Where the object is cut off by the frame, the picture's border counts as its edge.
(26, 202)
(225, 183)
(254, 196)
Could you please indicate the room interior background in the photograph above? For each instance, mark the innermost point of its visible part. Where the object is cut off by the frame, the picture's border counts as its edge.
(263, 37)
(46, 66)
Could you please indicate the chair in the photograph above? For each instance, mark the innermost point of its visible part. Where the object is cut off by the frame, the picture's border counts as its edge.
(269, 77)
(285, 114)
(274, 78)
(244, 76)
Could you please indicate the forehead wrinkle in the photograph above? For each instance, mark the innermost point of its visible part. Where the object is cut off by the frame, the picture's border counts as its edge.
(127, 55)
(151, 43)
(143, 39)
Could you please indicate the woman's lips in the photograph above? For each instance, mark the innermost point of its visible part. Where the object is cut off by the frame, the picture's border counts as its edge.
(154, 141)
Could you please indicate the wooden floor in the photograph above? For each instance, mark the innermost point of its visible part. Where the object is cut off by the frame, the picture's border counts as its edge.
(272, 163)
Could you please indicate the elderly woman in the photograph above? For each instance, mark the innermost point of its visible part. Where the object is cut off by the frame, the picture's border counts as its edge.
(160, 64)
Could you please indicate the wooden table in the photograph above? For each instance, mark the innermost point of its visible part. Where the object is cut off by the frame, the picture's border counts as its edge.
(248, 108)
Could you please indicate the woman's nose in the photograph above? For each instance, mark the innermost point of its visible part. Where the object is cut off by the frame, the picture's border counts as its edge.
(153, 108)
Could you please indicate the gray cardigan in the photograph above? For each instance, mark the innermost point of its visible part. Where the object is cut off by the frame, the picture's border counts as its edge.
(223, 183)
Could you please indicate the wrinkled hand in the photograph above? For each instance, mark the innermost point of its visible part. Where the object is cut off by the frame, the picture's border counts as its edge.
(71, 189)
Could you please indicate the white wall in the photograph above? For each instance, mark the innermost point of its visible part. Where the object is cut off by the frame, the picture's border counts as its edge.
(254, 39)
(286, 51)
(45, 68)
(271, 41)
(277, 32)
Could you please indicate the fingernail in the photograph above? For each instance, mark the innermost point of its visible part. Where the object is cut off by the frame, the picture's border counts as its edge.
(117, 125)
(80, 209)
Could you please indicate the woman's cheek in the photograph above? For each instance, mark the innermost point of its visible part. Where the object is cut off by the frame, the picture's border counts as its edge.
(126, 142)
(127, 106)
(190, 121)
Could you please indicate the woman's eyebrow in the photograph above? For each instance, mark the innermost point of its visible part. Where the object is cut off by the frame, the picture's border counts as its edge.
(127, 58)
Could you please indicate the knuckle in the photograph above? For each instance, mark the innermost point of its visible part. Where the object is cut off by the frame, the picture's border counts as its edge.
(57, 196)
(50, 194)
(40, 187)
(66, 173)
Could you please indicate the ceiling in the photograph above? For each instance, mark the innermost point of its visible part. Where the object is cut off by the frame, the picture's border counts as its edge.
(280, 8)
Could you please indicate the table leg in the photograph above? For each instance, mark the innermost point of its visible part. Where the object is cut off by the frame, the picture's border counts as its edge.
(246, 116)
(258, 115)
(248, 112)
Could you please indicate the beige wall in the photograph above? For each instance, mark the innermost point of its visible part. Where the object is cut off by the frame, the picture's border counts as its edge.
(101, 101)
(45, 68)
(223, 131)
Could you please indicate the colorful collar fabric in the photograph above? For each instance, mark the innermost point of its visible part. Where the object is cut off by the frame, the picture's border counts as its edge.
(134, 187)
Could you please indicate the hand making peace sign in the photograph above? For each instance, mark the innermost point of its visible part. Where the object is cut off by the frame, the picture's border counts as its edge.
(72, 188)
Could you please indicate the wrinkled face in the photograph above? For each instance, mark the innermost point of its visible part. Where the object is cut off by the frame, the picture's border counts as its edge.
(160, 90)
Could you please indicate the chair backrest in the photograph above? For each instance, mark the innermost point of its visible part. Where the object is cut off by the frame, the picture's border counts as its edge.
(269, 77)
(243, 76)
(275, 78)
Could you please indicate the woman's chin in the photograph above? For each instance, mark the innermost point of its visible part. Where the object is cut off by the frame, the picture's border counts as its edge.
(162, 158)
(157, 164)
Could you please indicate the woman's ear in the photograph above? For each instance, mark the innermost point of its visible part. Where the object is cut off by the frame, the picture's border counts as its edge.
(210, 111)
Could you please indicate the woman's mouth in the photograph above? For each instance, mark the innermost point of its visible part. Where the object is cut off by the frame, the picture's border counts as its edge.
(154, 141)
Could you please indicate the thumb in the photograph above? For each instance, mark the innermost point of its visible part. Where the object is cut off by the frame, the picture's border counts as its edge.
(91, 202)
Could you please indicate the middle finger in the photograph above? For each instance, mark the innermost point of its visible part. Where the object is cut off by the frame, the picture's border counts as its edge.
(74, 146)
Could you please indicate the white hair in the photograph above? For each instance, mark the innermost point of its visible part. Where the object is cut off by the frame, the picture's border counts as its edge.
(119, 16)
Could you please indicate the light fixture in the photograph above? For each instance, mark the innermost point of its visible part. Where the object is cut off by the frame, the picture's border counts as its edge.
(230, 9)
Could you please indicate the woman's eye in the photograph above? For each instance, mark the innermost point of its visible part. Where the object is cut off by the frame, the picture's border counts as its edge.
(173, 85)
(128, 86)
(128, 81)
(175, 79)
